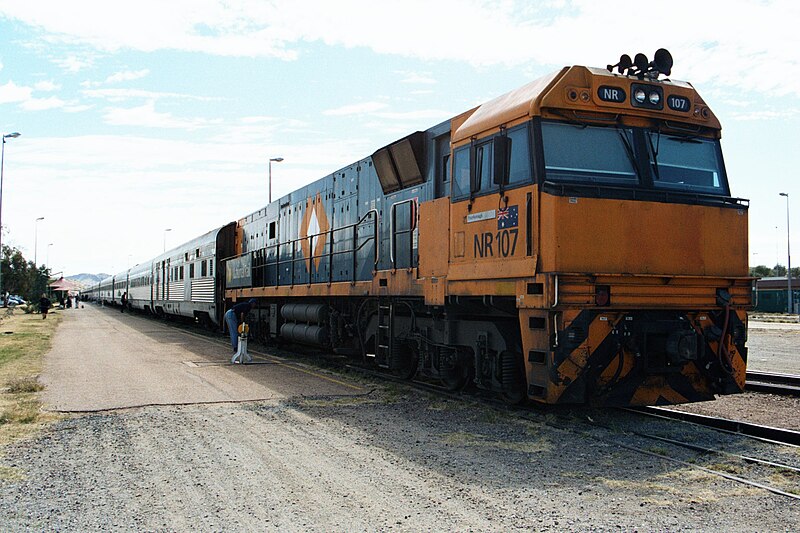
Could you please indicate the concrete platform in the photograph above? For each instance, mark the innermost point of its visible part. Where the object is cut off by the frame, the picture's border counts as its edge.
(773, 347)
(103, 359)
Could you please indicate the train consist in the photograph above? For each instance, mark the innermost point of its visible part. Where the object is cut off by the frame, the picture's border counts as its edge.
(572, 241)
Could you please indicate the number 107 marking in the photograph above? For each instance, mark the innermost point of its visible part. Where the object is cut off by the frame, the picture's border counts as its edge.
(505, 240)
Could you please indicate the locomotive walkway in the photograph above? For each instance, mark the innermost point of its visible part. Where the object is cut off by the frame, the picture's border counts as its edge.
(103, 359)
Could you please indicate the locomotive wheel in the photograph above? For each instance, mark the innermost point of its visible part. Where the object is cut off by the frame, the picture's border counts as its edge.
(513, 379)
(404, 361)
(457, 378)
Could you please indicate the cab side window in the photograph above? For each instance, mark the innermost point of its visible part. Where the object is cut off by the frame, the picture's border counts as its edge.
(474, 166)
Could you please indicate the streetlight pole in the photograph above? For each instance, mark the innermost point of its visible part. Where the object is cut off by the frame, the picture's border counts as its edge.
(36, 242)
(277, 160)
(2, 160)
(790, 303)
(165, 238)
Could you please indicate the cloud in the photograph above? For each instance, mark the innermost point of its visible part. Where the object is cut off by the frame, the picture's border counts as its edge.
(416, 77)
(127, 75)
(162, 183)
(12, 93)
(750, 47)
(41, 104)
(119, 95)
(73, 63)
(147, 117)
(356, 109)
(46, 86)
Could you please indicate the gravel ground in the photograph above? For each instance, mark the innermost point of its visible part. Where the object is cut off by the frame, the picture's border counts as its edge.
(385, 461)
(333, 453)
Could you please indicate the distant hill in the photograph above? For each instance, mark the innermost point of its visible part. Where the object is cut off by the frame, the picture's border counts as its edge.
(88, 279)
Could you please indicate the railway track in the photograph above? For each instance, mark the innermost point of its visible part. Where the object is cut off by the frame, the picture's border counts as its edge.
(738, 427)
(774, 469)
(783, 437)
(668, 445)
(773, 383)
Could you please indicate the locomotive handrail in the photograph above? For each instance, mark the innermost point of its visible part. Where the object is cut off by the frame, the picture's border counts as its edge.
(393, 234)
(278, 262)
(555, 293)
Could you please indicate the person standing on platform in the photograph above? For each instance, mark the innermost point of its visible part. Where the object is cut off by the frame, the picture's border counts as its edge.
(124, 301)
(44, 305)
(235, 316)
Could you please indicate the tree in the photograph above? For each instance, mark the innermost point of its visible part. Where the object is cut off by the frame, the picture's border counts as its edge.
(20, 276)
(761, 271)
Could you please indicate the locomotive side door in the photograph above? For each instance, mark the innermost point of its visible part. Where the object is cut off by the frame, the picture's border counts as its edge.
(493, 206)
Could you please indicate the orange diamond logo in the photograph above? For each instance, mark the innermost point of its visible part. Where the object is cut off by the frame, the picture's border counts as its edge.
(314, 228)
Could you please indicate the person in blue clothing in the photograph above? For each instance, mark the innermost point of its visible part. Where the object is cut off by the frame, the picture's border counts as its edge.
(235, 316)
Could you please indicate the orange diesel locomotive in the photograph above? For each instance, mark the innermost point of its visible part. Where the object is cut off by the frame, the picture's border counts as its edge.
(572, 241)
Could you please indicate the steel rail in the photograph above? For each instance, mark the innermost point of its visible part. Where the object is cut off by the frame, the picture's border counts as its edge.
(737, 427)
(773, 383)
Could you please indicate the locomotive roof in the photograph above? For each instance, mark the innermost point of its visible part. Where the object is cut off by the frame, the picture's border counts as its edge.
(527, 100)
(505, 108)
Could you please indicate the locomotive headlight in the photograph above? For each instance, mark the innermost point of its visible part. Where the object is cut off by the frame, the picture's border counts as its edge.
(654, 98)
(640, 95)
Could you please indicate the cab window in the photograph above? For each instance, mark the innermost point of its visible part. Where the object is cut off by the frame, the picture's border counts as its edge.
(478, 157)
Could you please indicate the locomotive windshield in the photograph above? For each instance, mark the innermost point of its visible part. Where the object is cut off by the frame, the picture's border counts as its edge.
(588, 154)
(632, 157)
(686, 163)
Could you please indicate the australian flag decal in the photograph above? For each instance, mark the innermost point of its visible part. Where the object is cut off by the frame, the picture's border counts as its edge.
(508, 217)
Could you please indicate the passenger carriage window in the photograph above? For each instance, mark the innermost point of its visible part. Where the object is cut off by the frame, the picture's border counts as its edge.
(181, 272)
(203, 271)
(272, 228)
(191, 271)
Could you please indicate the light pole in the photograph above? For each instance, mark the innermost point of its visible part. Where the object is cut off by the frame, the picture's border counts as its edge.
(48, 254)
(790, 303)
(36, 241)
(277, 160)
(2, 160)
(165, 238)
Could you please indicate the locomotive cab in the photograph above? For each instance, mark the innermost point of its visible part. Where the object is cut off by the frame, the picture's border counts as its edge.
(620, 243)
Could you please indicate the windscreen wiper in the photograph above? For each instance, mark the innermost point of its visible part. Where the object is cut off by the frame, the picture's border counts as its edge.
(654, 151)
(629, 152)
(686, 138)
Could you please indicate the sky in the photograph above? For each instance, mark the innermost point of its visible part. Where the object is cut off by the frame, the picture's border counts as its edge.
(142, 117)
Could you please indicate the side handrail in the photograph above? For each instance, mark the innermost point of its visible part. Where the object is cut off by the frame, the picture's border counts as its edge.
(294, 259)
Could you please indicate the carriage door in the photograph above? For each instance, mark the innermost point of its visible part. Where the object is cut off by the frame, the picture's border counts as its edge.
(163, 280)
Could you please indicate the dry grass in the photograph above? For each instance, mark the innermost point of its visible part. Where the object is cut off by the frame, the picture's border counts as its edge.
(524, 446)
(24, 339)
(786, 480)
(684, 485)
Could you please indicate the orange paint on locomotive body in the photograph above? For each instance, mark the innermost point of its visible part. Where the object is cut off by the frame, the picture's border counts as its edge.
(623, 295)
